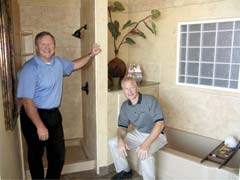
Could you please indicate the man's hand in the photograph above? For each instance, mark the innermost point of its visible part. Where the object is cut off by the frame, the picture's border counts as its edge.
(42, 133)
(142, 152)
(31, 111)
(95, 50)
(122, 148)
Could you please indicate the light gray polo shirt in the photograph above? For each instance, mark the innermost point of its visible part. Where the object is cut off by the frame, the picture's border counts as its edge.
(143, 115)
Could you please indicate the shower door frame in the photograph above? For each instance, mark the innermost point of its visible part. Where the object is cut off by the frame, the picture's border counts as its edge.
(88, 76)
(95, 104)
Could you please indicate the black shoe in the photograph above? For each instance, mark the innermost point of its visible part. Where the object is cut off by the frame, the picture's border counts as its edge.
(122, 175)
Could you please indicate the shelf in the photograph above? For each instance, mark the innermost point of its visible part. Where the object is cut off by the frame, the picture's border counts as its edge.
(27, 54)
(27, 45)
(140, 85)
(221, 154)
(26, 33)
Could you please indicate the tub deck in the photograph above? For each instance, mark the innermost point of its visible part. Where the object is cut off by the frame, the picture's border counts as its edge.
(196, 145)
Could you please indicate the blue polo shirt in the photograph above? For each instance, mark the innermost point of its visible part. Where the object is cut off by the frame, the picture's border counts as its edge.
(42, 82)
(142, 115)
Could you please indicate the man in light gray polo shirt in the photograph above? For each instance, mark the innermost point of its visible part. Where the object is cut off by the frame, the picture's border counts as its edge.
(143, 112)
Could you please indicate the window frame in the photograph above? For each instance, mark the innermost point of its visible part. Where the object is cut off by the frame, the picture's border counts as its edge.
(201, 32)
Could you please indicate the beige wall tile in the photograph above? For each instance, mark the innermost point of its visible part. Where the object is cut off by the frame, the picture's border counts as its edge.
(62, 19)
(211, 113)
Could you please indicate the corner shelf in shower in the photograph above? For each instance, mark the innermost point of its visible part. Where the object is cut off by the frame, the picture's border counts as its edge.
(142, 84)
(27, 45)
(221, 154)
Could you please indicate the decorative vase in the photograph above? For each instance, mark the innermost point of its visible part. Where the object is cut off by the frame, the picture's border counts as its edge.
(116, 81)
(116, 68)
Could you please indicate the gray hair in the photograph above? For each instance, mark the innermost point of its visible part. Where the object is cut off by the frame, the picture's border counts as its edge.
(126, 78)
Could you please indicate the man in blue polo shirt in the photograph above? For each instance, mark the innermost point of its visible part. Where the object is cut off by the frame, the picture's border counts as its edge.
(40, 90)
(144, 113)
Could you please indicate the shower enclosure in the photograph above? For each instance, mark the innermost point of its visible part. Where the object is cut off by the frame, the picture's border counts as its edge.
(81, 114)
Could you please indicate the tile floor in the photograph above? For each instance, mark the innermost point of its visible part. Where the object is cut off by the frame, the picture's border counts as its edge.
(74, 154)
(85, 175)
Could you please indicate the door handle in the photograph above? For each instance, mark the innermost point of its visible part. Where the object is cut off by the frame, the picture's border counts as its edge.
(85, 88)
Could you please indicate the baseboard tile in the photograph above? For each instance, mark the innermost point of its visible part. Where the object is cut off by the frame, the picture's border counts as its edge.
(106, 170)
(76, 167)
(72, 142)
(71, 168)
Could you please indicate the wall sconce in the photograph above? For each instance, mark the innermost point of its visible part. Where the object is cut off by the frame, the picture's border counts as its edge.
(77, 33)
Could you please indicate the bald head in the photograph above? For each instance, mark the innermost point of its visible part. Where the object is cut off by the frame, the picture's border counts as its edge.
(128, 79)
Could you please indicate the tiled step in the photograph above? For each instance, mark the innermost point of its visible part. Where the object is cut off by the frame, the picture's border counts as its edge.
(76, 158)
(72, 168)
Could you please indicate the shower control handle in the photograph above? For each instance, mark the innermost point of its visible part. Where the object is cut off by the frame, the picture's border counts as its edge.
(85, 88)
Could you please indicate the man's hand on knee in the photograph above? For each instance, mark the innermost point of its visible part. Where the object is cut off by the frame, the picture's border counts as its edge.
(122, 148)
(142, 153)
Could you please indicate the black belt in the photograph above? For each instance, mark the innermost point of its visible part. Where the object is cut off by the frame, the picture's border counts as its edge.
(48, 110)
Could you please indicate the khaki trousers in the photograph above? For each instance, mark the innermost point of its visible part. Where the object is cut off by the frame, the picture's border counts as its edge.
(134, 139)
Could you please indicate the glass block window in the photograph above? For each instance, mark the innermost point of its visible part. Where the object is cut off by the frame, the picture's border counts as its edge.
(209, 54)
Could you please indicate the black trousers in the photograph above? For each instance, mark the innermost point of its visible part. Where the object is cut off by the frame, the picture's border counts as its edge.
(55, 146)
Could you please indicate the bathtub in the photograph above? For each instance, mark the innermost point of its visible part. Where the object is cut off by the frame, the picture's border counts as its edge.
(181, 159)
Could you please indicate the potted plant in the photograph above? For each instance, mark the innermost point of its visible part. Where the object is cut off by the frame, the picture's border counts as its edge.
(132, 28)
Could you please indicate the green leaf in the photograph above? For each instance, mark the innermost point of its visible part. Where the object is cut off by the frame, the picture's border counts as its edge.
(129, 23)
(139, 33)
(129, 41)
(155, 13)
(148, 27)
(117, 6)
(114, 29)
(154, 28)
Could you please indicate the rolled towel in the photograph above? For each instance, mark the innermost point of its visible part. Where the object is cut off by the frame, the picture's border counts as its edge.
(230, 142)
